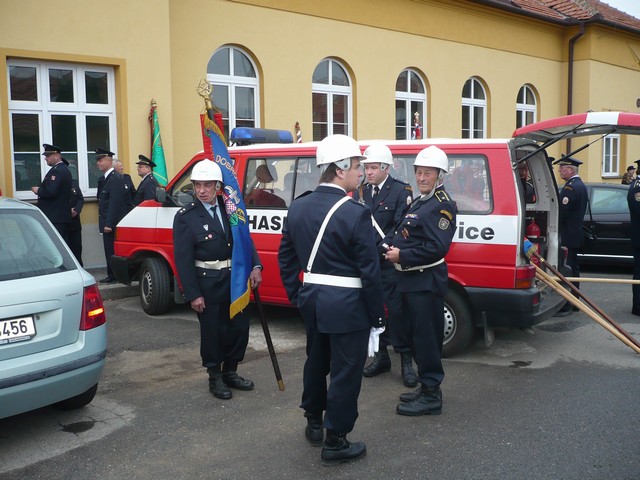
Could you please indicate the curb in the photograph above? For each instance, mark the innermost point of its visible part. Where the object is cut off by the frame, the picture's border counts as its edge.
(113, 291)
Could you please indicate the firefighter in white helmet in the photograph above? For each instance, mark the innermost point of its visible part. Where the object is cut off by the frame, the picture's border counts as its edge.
(388, 199)
(417, 248)
(203, 243)
(328, 236)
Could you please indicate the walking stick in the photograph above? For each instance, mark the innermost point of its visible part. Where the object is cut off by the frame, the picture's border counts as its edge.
(267, 337)
(549, 280)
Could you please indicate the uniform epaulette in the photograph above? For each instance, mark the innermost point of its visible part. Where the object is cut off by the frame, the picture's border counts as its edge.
(567, 187)
(401, 182)
(186, 208)
(442, 196)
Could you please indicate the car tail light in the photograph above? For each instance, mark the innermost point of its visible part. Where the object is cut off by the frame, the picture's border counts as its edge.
(92, 309)
(525, 276)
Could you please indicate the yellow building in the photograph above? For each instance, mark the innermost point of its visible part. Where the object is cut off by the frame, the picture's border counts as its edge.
(81, 74)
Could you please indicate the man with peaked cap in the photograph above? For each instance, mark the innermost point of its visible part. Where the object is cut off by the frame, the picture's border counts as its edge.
(573, 205)
(54, 193)
(629, 177)
(114, 202)
(633, 200)
(148, 184)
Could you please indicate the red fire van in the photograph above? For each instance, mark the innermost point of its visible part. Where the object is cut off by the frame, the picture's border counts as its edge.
(491, 282)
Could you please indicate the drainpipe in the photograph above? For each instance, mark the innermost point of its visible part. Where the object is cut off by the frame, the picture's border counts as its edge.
(572, 43)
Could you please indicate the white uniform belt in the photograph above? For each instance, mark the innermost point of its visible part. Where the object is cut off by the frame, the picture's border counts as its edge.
(214, 264)
(332, 280)
(419, 267)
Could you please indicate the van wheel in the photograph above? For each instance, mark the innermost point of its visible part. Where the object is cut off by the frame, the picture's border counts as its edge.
(458, 324)
(78, 401)
(155, 289)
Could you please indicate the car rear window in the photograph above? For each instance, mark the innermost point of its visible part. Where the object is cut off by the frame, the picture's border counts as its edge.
(29, 247)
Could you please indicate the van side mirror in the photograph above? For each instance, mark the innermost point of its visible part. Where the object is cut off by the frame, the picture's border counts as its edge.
(161, 195)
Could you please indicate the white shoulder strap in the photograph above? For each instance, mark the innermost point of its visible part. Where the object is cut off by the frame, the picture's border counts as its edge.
(330, 213)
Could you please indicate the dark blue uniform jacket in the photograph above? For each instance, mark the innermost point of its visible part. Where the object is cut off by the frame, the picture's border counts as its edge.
(54, 194)
(348, 248)
(573, 205)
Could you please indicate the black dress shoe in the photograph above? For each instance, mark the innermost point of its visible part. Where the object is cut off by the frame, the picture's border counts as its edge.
(108, 280)
(217, 386)
(410, 396)
(381, 364)
(429, 402)
(409, 377)
(337, 449)
(233, 380)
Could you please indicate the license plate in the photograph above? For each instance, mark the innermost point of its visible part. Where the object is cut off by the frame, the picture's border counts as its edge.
(17, 330)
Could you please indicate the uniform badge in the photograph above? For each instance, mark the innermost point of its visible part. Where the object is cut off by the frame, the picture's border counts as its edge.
(206, 227)
(565, 200)
(443, 224)
(447, 214)
(53, 177)
(636, 196)
(405, 233)
(409, 200)
(411, 215)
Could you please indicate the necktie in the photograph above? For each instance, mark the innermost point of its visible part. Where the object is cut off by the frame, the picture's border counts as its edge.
(216, 219)
(376, 190)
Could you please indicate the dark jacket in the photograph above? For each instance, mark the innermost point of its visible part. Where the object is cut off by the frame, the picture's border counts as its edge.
(347, 249)
(146, 190)
(424, 236)
(114, 200)
(198, 236)
(633, 199)
(573, 205)
(77, 202)
(54, 194)
(388, 209)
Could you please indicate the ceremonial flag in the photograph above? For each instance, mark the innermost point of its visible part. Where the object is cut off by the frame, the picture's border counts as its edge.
(242, 253)
(157, 152)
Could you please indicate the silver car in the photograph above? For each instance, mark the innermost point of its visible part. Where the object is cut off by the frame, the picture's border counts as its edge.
(53, 337)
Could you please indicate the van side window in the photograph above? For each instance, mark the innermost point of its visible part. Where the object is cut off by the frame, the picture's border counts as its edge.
(265, 183)
(466, 182)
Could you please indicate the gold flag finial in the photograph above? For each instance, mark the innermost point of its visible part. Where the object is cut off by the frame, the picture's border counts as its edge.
(205, 89)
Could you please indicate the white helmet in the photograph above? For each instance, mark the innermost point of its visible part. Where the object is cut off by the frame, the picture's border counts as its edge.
(206, 171)
(432, 157)
(378, 153)
(338, 149)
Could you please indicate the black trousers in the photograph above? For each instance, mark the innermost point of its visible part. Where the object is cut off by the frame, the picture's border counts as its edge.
(572, 262)
(222, 341)
(107, 241)
(425, 312)
(341, 356)
(397, 332)
(635, 289)
(74, 240)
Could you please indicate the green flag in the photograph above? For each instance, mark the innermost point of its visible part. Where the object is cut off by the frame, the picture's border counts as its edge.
(157, 152)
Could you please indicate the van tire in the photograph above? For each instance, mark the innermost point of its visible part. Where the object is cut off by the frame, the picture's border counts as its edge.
(459, 328)
(155, 288)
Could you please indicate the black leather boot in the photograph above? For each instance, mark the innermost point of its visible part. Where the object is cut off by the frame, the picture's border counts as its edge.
(381, 364)
(409, 377)
(216, 385)
(428, 402)
(410, 396)
(314, 432)
(337, 449)
(231, 378)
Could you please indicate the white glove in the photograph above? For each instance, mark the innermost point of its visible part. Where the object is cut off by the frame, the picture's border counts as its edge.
(374, 340)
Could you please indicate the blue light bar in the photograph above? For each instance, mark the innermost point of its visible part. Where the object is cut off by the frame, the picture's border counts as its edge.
(249, 136)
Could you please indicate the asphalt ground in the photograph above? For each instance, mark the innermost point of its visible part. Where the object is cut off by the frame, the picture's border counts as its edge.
(559, 401)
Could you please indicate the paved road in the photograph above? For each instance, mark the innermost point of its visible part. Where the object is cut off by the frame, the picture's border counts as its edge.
(559, 401)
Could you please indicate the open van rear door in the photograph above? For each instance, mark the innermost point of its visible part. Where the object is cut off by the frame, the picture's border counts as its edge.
(579, 125)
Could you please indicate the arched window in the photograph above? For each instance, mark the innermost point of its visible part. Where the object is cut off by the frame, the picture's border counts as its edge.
(411, 100)
(526, 107)
(235, 88)
(331, 90)
(474, 110)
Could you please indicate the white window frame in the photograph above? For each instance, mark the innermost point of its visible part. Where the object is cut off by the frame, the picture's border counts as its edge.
(45, 109)
(473, 104)
(611, 156)
(232, 82)
(330, 90)
(523, 108)
(407, 97)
